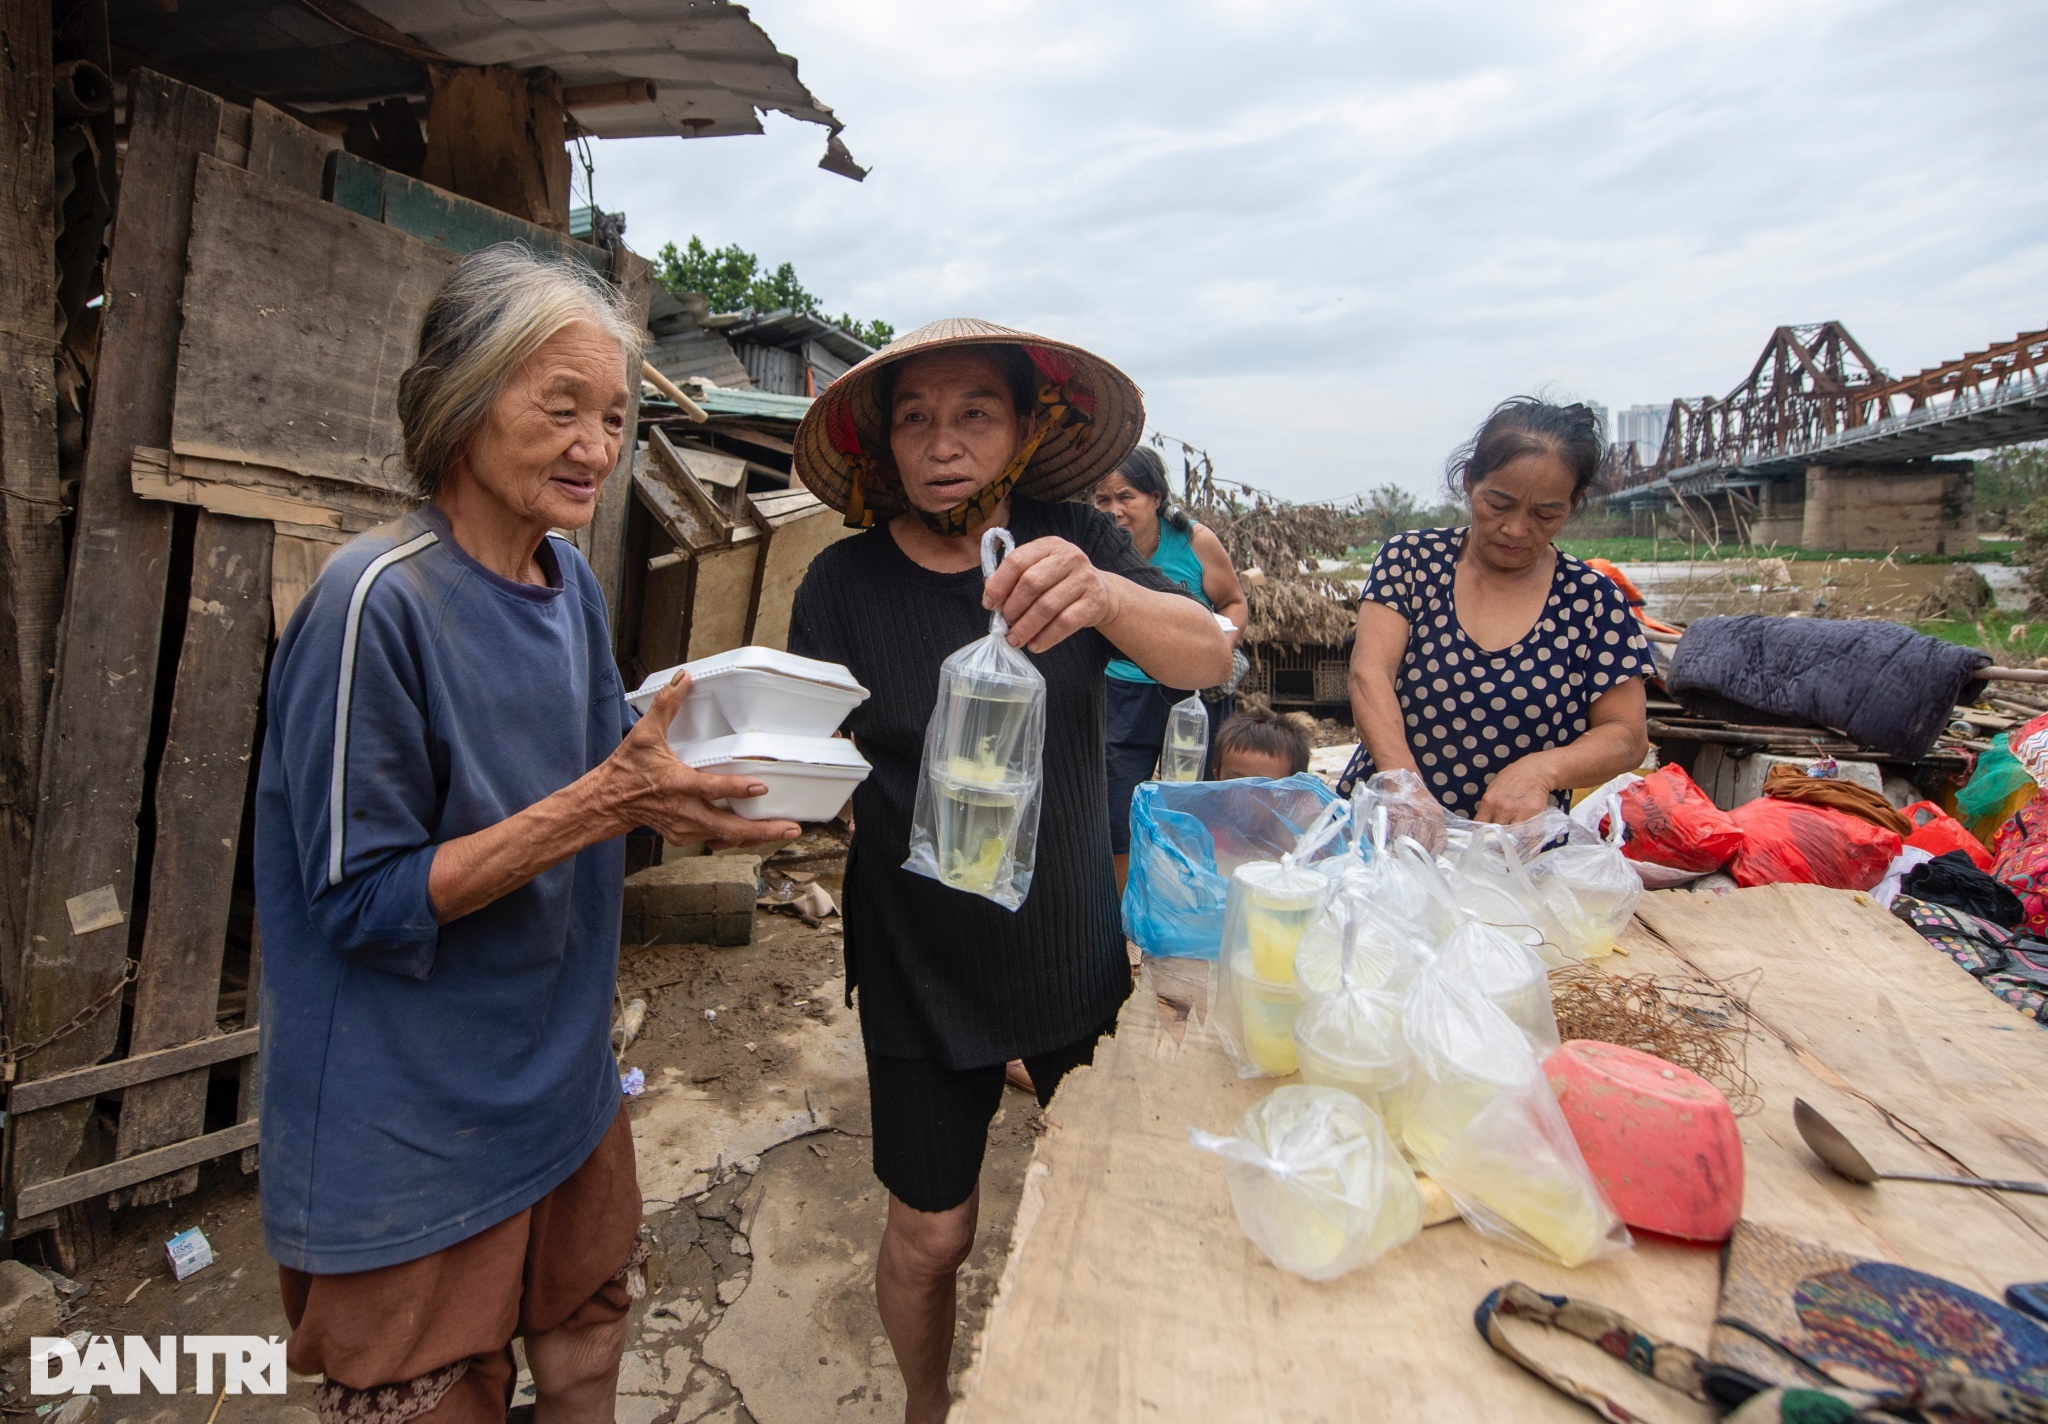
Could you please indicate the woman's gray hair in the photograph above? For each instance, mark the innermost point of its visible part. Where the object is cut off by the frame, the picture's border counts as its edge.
(496, 309)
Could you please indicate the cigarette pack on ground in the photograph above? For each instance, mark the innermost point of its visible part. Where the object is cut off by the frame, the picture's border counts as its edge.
(189, 1251)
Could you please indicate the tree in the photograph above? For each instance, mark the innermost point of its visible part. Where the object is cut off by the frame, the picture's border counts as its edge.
(731, 280)
(2007, 481)
(1391, 510)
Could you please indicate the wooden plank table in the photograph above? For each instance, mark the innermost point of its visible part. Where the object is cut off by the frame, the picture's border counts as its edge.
(1131, 1293)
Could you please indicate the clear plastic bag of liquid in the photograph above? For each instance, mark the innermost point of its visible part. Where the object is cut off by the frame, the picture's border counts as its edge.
(1270, 905)
(975, 826)
(1349, 1035)
(1184, 755)
(1466, 1053)
(1600, 889)
(1317, 1184)
(1509, 973)
(1493, 886)
(1358, 930)
(1481, 1120)
(1517, 1174)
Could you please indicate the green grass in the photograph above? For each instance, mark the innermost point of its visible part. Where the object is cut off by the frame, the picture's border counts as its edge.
(1995, 634)
(1629, 550)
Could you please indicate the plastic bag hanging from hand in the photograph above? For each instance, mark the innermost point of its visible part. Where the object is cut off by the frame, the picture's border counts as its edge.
(975, 826)
(1317, 1183)
(1184, 756)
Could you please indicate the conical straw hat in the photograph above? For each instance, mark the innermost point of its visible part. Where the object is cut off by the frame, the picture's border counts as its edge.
(1068, 460)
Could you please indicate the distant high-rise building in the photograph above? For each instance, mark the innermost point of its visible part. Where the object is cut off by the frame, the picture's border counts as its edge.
(1601, 411)
(1644, 425)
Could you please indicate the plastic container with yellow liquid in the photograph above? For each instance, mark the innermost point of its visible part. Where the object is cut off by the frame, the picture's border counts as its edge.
(1316, 1182)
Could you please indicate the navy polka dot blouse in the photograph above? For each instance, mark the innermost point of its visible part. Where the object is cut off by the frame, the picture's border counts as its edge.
(1471, 712)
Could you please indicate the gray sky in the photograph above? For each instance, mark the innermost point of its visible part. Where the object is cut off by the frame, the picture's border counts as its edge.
(1326, 237)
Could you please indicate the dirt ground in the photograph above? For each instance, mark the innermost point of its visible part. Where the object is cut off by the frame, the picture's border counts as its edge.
(761, 1211)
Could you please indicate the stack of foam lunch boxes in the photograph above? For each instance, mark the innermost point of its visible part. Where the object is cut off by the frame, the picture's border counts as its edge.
(770, 715)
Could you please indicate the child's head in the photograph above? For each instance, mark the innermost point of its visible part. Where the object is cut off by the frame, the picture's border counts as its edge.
(1257, 741)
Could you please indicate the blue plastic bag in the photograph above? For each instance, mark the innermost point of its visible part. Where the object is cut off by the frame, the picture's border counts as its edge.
(1186, 839)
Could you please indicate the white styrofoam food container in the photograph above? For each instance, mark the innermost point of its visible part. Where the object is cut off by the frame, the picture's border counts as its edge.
(808, 778)
(756, 690)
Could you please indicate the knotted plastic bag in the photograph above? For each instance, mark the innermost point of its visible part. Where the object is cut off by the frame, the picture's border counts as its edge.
(1480, 1118)
(1349, 1035)
(1270, 906)
(1493, 886)
(1509, 974)
(1184, 755)
(975, 825)
(1316, 1181)
(1603, 889)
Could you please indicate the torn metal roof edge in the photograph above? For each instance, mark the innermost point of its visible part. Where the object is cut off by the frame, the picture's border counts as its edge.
(723, 400)
(631, 68)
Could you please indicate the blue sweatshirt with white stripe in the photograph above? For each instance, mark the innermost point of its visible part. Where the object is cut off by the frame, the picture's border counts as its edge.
(422, 1082)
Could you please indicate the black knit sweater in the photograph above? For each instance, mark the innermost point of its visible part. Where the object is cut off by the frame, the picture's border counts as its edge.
(943, 973)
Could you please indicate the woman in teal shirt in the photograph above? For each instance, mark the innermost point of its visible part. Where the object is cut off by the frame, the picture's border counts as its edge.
(1136, 498)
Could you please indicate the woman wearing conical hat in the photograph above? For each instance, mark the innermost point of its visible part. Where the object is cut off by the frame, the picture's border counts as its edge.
(954, 428)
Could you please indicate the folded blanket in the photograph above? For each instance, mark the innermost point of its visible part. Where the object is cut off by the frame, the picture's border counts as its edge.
(1882, 684)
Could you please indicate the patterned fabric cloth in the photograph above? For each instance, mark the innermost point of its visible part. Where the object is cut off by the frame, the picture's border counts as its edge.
(1802, 1316)
(1469, 711)
(1996, 957)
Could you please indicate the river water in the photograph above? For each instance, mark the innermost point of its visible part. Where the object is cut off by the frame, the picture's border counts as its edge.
(1682, 592)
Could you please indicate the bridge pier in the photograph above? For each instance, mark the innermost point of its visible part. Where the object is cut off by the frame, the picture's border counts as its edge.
(1912, 506)
(1780, 519)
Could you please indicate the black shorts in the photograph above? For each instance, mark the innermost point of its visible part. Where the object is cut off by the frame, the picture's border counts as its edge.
(931, 1123)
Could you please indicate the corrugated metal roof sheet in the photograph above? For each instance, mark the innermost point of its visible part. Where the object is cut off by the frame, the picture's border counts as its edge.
(694, 353)
(721, 401)
(715, 71)
(791, 329)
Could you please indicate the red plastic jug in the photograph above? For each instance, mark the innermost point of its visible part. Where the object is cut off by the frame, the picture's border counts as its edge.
(1660, 1139)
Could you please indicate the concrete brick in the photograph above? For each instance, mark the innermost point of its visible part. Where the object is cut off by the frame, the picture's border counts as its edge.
(28, 1307)
(680, 929)
(694, 885)
(734, 927)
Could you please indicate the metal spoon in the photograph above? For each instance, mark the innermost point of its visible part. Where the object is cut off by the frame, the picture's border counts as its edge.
(1841, 1156)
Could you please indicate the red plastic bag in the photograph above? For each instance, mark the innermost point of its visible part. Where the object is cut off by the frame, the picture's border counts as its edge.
(1672, 822)
(1938, 833)
(1791, 842)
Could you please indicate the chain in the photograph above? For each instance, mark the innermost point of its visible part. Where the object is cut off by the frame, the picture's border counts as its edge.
(10, 1055)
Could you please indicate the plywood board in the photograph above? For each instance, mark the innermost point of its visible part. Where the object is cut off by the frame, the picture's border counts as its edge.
(294, 564)
(1129, 1270)
(800, 525)
(1962, 1078)
(721, 597)
(299, 318)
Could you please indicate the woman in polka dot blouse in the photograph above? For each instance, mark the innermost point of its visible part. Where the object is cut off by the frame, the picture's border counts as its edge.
(1499, 668)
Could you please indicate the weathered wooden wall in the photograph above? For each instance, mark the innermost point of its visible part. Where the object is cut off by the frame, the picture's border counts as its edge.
(31, 494)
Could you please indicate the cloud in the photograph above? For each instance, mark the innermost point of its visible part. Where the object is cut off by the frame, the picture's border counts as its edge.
(1327, 237)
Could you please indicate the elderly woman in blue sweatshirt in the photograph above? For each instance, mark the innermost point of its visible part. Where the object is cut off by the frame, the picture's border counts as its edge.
(448, 772)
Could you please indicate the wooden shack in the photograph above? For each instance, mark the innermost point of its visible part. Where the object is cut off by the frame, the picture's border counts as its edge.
(223, 223)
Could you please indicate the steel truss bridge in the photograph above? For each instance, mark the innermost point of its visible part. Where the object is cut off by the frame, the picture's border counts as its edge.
(1815, 397)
